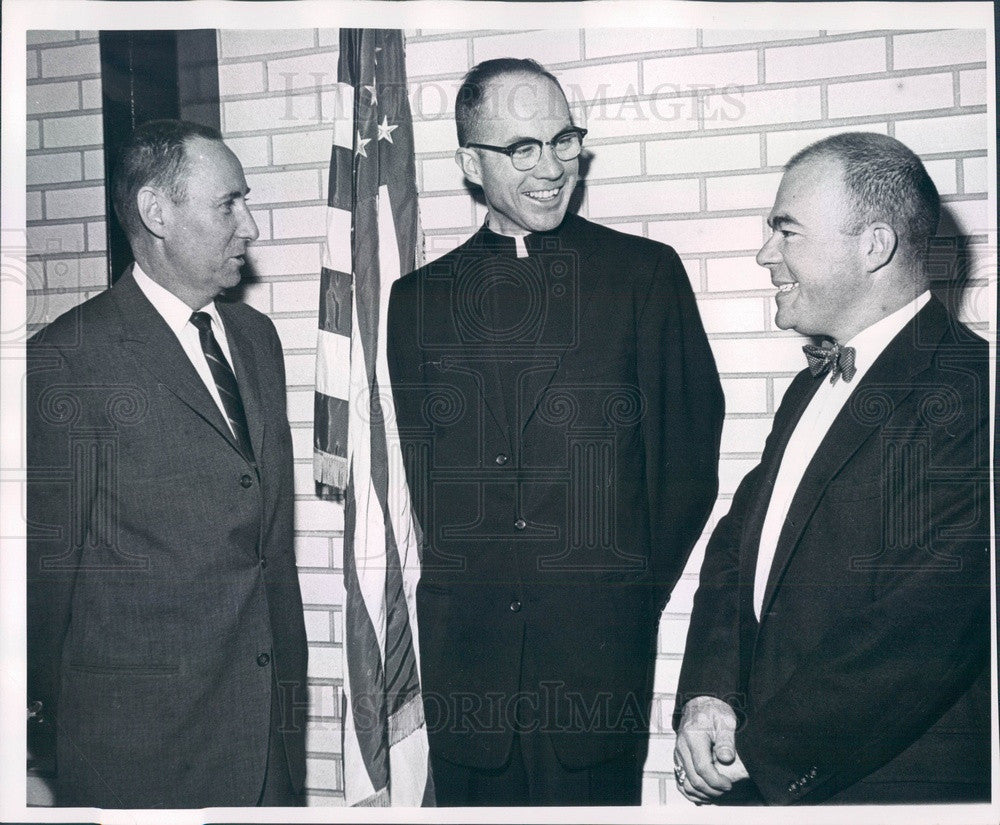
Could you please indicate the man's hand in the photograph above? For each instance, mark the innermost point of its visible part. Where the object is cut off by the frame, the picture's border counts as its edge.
(705, 760)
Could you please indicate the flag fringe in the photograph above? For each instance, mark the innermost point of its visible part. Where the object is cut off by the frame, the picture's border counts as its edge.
(406, 720)
(331, 470)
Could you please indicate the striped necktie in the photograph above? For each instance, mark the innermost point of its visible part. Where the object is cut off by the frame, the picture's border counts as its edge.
(225, 382)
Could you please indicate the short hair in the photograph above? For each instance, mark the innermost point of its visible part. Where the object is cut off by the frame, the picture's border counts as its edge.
(886, 181)
(472, 92)
(155, 155)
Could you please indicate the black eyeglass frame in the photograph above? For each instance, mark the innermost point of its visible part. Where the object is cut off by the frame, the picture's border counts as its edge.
(513, 147)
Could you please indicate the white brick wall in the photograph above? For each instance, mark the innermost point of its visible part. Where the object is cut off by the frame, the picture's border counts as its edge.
(694, 167)
(65, 228)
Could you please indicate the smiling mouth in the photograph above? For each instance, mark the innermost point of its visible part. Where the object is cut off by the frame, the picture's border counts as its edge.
(544, 195)
(786, 288)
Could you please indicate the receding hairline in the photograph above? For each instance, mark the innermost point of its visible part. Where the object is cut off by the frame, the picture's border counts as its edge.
(884, 180)
(489, 88)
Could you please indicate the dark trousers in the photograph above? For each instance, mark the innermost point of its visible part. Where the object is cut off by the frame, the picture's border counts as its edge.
(278, 791)
(533, 775)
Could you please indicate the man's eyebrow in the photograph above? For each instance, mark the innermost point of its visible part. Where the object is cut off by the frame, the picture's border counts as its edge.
(521, 139)
(527, 139)
(236, 193)
(777, 221)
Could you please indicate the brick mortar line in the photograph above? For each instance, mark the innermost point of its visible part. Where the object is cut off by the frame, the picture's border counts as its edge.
(881, 74)
(63, 44)
(45, 151)
(62, 114)
(41, 223)
(843, 120)
(57, 150)
(290, 54)
(69, 78)
(886, 74)
(809, 40)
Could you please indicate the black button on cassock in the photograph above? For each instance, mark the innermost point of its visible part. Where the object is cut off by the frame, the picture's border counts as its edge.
(520, 524)
(245, 481)
(264, 659)
(501, 459)
(263, 561)
(515, 606)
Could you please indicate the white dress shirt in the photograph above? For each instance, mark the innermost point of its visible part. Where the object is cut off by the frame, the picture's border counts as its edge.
(812, 428)
(177, 314)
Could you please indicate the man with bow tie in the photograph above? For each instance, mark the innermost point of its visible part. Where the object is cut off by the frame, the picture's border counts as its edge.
(838, 647)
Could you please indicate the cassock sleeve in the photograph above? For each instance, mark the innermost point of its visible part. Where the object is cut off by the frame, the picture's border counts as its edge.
(405, 360)
(682, 424)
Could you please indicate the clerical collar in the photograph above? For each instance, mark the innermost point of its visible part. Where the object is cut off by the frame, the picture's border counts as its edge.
(518, 246)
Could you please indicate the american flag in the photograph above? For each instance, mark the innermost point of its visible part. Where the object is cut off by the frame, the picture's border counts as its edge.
(371, 239)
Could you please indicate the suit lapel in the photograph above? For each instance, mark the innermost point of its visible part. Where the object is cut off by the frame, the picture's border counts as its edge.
(146, 336)
(882, 389)
(241, 348)
(799, 394)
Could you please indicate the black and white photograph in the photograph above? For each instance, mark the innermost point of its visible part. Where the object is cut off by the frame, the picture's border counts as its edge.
(581, 408)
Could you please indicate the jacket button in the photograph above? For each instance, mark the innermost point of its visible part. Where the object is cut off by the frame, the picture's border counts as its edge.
(501, 459)
(520, 524)
(263, 561)
(246, 481)
(264, 659)
(515, 606)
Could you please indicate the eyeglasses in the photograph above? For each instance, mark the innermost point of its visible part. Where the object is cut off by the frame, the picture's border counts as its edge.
(525, 154)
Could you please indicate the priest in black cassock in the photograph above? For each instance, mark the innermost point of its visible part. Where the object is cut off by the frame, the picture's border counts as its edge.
(560, 412)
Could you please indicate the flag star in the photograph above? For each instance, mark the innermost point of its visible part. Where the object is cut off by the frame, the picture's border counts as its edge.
(373, 93)
(362, 142)
(385, 130)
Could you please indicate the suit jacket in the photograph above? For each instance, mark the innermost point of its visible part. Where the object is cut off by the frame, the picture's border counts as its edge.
(161, 573)
(866, 678)
(560, 417)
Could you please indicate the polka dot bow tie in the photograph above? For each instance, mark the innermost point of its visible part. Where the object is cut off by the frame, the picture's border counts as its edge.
(833, 357)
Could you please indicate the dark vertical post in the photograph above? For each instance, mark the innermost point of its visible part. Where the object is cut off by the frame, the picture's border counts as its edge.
(148, 75)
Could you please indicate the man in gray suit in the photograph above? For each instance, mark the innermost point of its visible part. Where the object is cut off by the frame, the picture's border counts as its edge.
(166, 642)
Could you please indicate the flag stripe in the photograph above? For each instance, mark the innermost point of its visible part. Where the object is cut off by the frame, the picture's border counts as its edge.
(343, 117)
(364, 664)
(371, 239)
(337, 250)
(333, 364)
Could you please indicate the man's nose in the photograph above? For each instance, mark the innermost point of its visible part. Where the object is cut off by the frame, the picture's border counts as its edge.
(248, 226)
(768, 254)
(549, 166)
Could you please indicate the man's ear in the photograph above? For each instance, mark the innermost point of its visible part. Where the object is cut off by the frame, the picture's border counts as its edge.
(151, 210)
(468, 162)
(879, 243)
